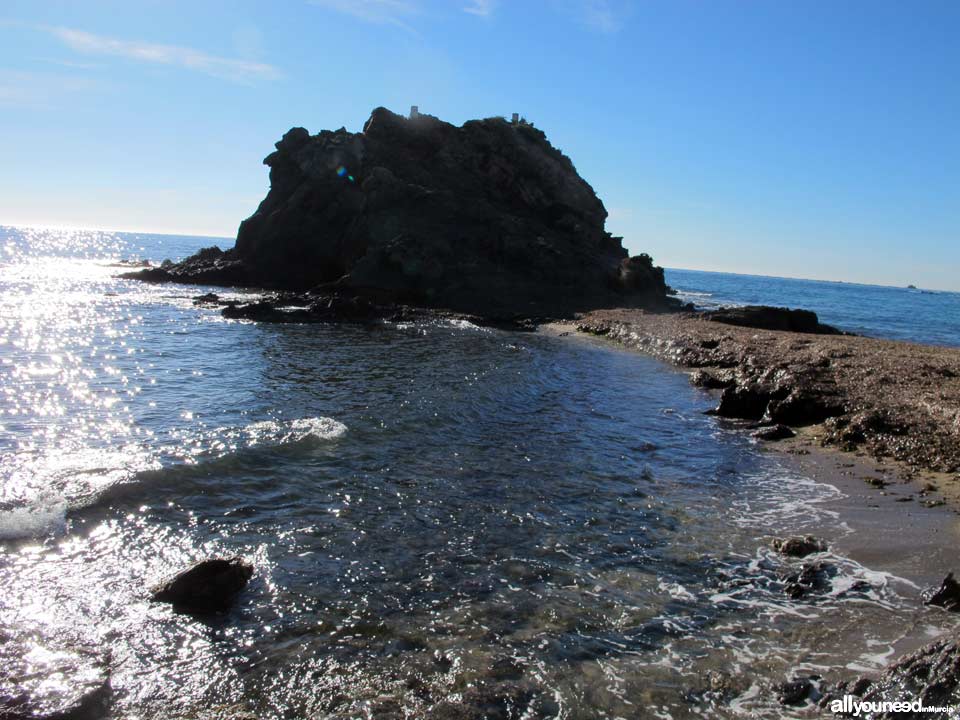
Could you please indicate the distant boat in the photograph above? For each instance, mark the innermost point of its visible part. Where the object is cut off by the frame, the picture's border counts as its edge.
(911, 287)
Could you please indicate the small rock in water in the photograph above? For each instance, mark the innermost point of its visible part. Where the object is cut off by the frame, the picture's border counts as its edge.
(207, 586)
(812, 578)
(947, 595)
(796, 692)
(206, 299)
(774, 432)
(799, 546)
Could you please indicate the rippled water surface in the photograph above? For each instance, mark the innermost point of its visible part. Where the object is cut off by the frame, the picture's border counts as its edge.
(446, 521)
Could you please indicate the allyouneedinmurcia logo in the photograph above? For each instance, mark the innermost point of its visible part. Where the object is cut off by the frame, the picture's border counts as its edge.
(851, 705)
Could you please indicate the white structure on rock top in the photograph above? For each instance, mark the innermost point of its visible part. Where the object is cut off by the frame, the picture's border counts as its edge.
(414, 111)
(515, 119)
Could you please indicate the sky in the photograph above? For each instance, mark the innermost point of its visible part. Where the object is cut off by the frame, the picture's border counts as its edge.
(816, 139)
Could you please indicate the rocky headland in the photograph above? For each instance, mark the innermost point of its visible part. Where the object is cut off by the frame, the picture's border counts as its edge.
(487, 218)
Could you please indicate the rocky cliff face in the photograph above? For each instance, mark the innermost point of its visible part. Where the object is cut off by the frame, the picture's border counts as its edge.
(487, 218)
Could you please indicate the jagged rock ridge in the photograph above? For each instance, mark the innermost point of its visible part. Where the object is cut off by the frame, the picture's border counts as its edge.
(487, 218)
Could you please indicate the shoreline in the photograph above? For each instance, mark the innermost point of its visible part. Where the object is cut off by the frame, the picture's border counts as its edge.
(886, 512)
(888, 530)
(894, 402)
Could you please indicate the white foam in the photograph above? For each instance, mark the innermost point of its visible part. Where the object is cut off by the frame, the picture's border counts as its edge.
(273, 432)
(35, 520)
(77, 477)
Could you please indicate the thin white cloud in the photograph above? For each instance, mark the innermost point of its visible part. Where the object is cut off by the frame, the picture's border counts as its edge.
(600, 15)
(482, 8)
(379, 12)
(172, 55)
(44, 91)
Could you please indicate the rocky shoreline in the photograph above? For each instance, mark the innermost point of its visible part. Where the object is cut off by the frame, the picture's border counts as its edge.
(892, 401)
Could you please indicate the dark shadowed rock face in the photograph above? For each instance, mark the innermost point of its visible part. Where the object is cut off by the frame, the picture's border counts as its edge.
(206, 587)
(487, 218)
(947, 595)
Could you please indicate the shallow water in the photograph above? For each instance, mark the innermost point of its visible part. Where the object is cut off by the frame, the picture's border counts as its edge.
(444, 519)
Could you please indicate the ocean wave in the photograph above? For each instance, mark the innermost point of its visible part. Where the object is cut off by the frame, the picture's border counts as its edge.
(41, 491)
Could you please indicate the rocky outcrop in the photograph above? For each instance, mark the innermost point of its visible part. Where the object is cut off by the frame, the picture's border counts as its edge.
(764, 317)
(486, 218)
(929, 677)
(206, 587)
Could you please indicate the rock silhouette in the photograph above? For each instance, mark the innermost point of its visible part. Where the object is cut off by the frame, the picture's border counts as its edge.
(486, 218)
(206, 587)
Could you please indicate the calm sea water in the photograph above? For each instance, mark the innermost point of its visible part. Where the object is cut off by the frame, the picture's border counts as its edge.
(444, 519)
(915, 315)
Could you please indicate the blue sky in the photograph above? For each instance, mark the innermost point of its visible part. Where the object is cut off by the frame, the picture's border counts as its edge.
(812, 139)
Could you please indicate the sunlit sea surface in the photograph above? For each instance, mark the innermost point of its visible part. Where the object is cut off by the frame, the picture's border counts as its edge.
(446, 521)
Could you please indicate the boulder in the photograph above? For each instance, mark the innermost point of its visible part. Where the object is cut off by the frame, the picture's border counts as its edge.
(206, 587)
(486, 218)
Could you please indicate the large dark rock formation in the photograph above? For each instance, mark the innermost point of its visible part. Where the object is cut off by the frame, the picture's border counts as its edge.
(487, 218)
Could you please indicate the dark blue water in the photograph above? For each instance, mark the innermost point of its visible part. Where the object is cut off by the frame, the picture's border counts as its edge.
(446, 521)
(915, 315)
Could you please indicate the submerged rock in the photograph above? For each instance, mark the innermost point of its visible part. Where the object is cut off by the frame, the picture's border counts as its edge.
(207, 586)
(799, 546)
(796, 692)
(812, 578)
(487, 218)
(947, 595)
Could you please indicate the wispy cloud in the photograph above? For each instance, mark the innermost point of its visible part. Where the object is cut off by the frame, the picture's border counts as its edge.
(600, 15)
(172, 55)
(43, 91)
(380, 12)
(483, 8)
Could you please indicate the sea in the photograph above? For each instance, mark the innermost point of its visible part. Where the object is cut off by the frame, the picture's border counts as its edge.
(445, 520)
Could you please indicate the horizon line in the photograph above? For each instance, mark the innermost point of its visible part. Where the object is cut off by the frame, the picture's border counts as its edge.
(38, 226)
